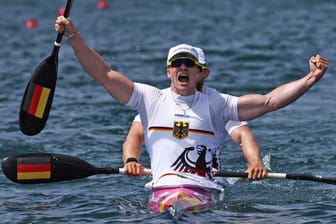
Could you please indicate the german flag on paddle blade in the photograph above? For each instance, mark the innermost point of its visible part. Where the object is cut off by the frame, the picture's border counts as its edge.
(33, 169)
(37, 99)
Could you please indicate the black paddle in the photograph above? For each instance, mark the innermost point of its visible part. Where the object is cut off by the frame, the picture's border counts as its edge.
(37, 168)
(39, 93)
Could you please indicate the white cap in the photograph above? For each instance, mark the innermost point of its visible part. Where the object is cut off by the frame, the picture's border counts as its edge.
(201, 56)
(186, 48)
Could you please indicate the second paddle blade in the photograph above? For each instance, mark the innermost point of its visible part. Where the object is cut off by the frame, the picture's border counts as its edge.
(37, 168)
(38, 97)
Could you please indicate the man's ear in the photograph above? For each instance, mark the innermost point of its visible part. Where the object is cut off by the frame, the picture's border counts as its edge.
(206, 73)
(168, 72)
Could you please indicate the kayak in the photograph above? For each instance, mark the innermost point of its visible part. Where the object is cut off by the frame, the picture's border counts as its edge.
(175, 201)
(189, 198)
(191, 191)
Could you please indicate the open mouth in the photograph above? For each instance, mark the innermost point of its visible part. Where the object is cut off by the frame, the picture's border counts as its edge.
(183, 78)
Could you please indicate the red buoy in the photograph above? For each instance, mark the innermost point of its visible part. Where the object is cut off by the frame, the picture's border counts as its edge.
(102, 4)
(31, 23)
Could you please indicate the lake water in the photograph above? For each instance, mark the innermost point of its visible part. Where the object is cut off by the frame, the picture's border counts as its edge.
(252, 47)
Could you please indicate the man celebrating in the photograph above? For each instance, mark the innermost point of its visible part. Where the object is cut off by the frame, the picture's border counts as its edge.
(181, 124)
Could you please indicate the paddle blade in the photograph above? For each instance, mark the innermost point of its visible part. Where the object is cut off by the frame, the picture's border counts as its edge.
(38, 97)
(44, 168)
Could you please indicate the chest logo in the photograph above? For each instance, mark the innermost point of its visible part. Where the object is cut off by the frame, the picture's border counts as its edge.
(195, 160)
(181, 129)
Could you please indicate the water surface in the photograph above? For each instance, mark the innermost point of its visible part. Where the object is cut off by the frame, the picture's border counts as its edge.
(251, 46)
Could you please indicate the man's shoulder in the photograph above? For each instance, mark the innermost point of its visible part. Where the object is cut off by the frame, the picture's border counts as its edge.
(209, 91)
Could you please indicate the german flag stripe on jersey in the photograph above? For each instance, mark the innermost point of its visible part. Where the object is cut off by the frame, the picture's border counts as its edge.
(37, 98)
(171, 129)
(39, 168)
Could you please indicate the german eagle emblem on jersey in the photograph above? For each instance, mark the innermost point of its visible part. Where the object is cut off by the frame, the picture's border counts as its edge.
(194, 160)
(181, 129)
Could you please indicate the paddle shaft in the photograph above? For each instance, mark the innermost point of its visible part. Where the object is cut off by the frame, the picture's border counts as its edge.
(289, 176)
(59, 37)
(108, 170)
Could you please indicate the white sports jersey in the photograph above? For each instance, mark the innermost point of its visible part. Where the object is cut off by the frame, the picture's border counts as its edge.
(229, 127)
(182, 132)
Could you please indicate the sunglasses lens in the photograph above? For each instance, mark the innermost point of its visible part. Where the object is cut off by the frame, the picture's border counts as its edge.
(186, 61)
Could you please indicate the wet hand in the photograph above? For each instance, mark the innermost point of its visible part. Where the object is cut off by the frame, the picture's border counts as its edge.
(256, 172)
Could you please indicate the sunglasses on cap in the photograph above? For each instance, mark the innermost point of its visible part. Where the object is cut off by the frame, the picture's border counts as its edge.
(188, 62)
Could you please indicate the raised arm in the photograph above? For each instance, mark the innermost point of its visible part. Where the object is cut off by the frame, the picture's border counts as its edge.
(119, 86)
(255, 105)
